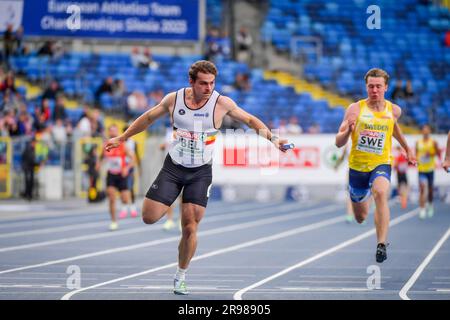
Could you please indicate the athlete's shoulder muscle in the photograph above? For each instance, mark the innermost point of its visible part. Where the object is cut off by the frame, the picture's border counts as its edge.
(396, 111)
(226, 103)
(352, 111)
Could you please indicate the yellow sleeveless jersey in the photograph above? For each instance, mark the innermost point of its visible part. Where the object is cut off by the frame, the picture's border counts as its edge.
(425, 155)
(372, 138)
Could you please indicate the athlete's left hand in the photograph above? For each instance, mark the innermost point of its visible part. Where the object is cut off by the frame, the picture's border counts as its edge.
(411, 158)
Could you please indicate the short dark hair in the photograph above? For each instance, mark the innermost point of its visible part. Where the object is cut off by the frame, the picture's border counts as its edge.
(377, 73)
(202, 66)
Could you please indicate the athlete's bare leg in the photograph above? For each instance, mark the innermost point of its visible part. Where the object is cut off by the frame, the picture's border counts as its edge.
(125, 196)
(153, 210)
(191, 214)
(380, 191)
(423, 195)
(360, 210)
(111, 192)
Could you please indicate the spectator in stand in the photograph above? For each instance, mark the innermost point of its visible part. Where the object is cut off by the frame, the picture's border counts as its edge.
(293, 127)
(96, 123)
(136, 103)
(52, 90)
(282, 127)
(212, 44)
(8, 42)
(60, 109)
(9, 83)
(119, 88)
(25, 124)
(105, 87)
(314, 128)
(19, 48)
(10, 123)
(143, 60)
(38, 119)
(154, 97)
(9, 102)
(59, 132)
(409, 92)
(242, 82)
(224, 43)
(447, 39)
(45, 109)
(244, 43)
(398, 92)
(46, 49)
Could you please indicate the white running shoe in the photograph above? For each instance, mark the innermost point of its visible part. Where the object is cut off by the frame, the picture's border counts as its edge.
(113, 226)
(422, 213)
(430, 211)
(169, 225)
(179, 287)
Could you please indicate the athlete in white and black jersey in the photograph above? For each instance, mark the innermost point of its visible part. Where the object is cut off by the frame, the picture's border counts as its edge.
(197, 113)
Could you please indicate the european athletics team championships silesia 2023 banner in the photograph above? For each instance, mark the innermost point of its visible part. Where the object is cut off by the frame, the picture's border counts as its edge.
(146, 20)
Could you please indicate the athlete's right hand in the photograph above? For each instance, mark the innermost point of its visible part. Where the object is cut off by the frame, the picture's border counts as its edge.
(113, 143)
(446, 165)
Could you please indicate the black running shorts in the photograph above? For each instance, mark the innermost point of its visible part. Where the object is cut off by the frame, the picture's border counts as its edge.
(174, 177)
(116, 181)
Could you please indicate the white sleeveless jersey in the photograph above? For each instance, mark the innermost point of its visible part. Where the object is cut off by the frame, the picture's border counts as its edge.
(194, 133)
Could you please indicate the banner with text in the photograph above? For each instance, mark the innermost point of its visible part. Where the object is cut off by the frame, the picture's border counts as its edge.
(149, 20)
(315, 160)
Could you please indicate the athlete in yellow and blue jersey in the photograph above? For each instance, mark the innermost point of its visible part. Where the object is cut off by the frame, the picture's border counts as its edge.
(426, 152)
(371, 123)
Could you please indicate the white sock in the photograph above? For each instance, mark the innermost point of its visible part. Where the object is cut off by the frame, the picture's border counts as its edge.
(181, 274)
(132, 207)
(124, 208)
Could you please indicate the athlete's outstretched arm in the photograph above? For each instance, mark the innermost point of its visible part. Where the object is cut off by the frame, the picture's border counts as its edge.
(347, 125)
(398, 135)
(141, 123)
(253, 122)
(446, 163)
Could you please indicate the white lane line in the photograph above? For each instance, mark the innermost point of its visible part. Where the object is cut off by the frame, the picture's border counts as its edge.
(108, 234)
(34, 224)
(238, 295)
(85, 213)
(243, 245)
(53, 230)
(308, 289)
(238, 226)
(403, 292)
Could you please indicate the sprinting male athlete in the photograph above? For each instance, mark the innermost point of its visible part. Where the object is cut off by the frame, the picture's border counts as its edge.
(196, 113)
(371, 123)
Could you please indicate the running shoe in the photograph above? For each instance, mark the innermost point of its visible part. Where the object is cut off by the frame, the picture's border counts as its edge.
(113, 226)
(381, 253)
(422, 213)
(169, 225)
(179, 287)
(349, 218)
(134, 213)
(123, 214)
(430, 211)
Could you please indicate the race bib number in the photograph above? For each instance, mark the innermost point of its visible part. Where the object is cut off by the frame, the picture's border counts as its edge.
(371, 141)
(190, 142)
(114, 164)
